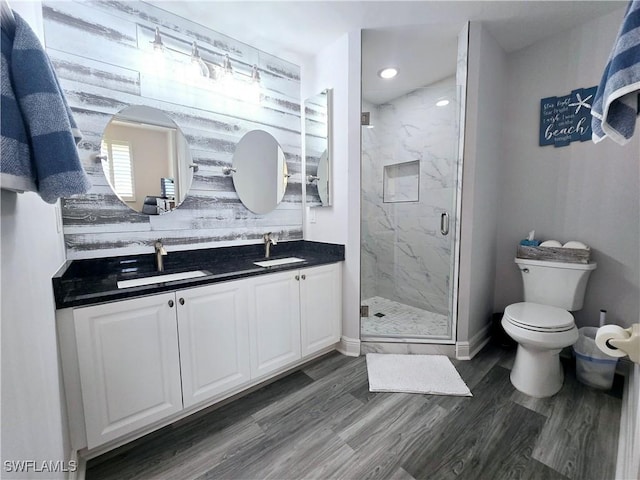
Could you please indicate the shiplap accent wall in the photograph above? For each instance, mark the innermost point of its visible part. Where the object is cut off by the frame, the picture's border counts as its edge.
(103, 57)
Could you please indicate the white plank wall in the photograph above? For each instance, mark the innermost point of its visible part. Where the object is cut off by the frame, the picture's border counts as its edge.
(102, 55)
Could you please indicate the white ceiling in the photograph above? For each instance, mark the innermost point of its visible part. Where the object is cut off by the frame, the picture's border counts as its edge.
(421, 55)
(423, 49)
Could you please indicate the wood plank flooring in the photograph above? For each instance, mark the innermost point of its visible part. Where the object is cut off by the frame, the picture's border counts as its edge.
(322, 422)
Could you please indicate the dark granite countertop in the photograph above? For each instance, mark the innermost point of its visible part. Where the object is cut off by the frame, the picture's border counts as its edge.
(91, 281)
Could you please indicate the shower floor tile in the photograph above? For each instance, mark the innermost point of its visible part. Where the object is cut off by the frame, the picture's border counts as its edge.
(388, 318)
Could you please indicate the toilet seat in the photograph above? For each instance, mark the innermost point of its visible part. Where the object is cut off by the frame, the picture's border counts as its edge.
(539, 318)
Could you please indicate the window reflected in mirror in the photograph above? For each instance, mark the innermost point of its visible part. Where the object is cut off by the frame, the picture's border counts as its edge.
(118, 167)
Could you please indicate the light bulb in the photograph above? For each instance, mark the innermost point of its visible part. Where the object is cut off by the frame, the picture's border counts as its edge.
(388, 72)
(198, 67)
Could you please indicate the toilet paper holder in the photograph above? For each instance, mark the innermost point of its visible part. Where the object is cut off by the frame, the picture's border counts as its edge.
(626, 340)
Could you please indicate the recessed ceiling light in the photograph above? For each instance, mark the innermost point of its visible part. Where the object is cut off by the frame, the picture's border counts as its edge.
(388, 72)
(442, 103)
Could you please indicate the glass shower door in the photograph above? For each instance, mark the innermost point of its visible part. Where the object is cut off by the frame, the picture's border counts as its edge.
(409, 195)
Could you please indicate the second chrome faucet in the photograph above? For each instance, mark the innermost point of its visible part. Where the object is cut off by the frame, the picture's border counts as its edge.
(268, 241)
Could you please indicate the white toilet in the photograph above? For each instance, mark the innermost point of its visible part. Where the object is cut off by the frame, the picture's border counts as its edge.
(542, 324)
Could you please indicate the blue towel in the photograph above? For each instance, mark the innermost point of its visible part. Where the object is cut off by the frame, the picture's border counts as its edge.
(617, 101)
(39, 135)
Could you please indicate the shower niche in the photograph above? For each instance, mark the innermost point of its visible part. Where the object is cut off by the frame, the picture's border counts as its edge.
(401, 182)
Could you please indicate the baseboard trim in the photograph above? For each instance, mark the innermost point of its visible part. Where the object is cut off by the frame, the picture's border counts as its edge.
(349, 346)
(628, 461)
(468, 350)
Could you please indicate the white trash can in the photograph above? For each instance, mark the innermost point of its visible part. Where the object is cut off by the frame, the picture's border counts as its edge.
(593, 367)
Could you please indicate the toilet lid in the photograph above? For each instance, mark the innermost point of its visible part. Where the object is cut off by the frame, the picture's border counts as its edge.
(541, 318)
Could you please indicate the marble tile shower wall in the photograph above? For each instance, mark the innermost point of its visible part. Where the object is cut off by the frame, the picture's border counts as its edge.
(404, 256)
(101, 53)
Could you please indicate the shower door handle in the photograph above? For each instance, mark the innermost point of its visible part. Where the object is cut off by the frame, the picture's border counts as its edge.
(444, 223)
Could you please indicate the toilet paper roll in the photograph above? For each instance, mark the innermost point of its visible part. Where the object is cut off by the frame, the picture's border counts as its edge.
(611, 332)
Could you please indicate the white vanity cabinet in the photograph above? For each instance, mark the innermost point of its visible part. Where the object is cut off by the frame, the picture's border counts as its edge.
(143, 359)
(129, 365)
(320, 307)
(134, 365)
(213, 332)
(293, 314)
(274, 321)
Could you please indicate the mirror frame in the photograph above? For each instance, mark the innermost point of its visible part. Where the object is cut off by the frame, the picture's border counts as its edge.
(323, 176)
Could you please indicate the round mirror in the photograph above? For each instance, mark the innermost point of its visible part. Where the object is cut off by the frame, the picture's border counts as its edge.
(146, 160)
(259, 171)
(323, 178)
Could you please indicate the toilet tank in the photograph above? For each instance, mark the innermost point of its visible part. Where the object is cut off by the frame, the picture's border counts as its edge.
(553, 283)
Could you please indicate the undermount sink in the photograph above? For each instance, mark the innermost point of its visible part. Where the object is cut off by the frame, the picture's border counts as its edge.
(278, 261)
(170, 277)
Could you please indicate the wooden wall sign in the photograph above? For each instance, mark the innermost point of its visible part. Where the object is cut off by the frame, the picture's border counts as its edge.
(566, 119)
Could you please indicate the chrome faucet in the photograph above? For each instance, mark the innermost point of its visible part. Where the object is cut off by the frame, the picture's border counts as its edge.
(160, 252)
(268, 241)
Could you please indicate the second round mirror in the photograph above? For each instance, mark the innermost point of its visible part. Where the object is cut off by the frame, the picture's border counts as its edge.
(259, 172)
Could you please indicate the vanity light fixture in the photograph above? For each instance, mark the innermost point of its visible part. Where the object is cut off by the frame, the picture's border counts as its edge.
(442, 103)
(388, 73)
(192, 67)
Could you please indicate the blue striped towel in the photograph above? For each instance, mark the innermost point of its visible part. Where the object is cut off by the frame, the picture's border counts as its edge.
(617, 101)
(39, 134)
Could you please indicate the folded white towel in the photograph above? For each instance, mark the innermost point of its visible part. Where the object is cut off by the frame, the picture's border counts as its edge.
(551, 243)
(575, 244)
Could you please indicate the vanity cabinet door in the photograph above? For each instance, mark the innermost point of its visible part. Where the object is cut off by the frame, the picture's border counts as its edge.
(320, 307)
(213, 330)
(274, 321)
(129, 365)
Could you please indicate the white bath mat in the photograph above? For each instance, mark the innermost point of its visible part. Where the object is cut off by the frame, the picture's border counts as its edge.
(430, 374)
